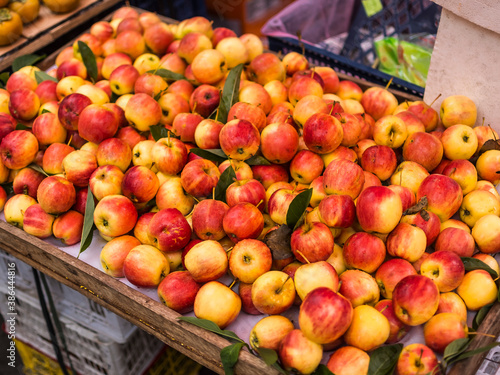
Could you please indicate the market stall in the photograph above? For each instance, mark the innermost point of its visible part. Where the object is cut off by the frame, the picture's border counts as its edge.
(81, 268)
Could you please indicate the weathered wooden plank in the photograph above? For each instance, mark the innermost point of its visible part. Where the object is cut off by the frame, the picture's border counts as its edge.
(44, 31)
(150, 315)
(490, 326)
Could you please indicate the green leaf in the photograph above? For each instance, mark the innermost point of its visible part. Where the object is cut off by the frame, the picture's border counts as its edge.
(210, 326)
(158, 132)
(22, 127)
(45, 111)
(37, 168)
(471, 353)
(42, 76)
(88, 59)
(26, 60)
(8, 187)
(384, 359)
(88, 223)
(4, 77)
(322, 370)
(229, 357)
(454, 349)
(268, 355)
(297, 207)
(480, 315)
(476, 264)
(114, 97)
(230, 92)
(226, 178)
(167, 74)
(257, 160)
(215, 155)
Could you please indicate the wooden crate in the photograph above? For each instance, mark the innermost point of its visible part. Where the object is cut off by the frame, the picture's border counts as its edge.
(49, 26)
(154, 317)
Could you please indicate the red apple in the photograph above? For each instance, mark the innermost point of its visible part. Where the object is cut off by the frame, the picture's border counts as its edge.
(239, 139)
(199, 177)
(145, 266)
(398, 328)
(364, 251)
(206, 261)
(379, 209)
(392, 272)
(342, 176)
(68, 227)
(312, 242)
(169, 230)
(243, 221)
(415, 299)
(444, 195)
(379, 160)
(115, 215)
(178, 291)
(18, 149)
(324, 315)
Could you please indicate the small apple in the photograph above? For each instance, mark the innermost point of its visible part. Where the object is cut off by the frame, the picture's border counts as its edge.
(113, 254)
(145, 266)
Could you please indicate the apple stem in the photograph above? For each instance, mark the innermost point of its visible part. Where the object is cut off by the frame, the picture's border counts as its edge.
(217, 114)
(168, 139)
(492, 132)
(333, 106)
(278, 291)
(194, 107)
(312, 72)
(303, 256)
(195, 199)
(482, 334)
(232, 284)
(213, 193)
(70, 139)
(389, 83)
(385, 307)
(260, 202)
(434, 101)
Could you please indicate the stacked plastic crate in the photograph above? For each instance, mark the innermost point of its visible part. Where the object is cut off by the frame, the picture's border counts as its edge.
(99, 342)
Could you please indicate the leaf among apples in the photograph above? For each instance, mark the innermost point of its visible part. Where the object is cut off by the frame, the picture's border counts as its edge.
(229, 93)
(89, 60)
(42, 76)
(226, 178)
(215, 155)
(278, 241)
(490, 144)
(88, 223)
(384, 359)
(421, 206)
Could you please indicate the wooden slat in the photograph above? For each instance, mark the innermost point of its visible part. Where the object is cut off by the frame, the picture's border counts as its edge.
(150, 315)
(490, 326)
(44, 37)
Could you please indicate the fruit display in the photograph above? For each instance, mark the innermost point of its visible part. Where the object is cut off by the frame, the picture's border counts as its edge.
(200, 159)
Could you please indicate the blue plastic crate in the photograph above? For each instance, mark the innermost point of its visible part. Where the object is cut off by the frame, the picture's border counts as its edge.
(398, 17)
(341, 64)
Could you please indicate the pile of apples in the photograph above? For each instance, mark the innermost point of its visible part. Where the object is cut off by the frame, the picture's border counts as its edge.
(399, 192)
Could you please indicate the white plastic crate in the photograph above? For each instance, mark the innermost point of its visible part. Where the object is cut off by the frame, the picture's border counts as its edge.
(75, 306)
(24, 278)
(92, 353)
